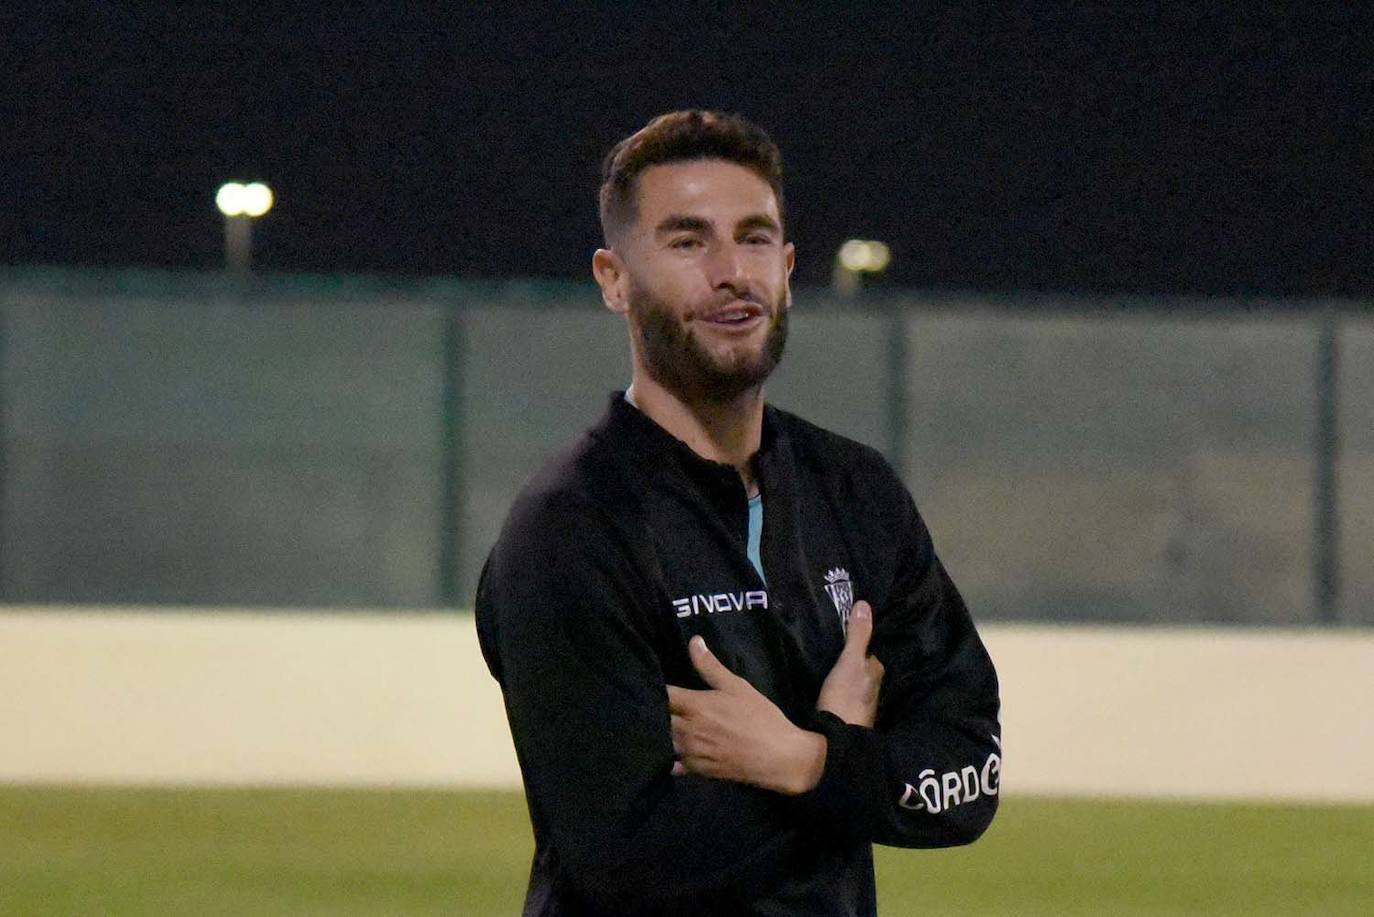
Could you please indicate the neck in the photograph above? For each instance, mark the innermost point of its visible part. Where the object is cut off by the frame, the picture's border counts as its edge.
(728, 432)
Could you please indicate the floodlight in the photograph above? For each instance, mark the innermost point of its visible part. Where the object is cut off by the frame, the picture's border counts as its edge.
(257, 199)
(864, 256)
(241, 204)
(251, 200)
(229, 199)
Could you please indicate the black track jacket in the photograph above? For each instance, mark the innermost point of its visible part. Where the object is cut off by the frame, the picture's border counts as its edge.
(621, 550)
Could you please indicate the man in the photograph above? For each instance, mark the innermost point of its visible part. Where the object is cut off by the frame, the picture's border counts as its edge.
(707, 722)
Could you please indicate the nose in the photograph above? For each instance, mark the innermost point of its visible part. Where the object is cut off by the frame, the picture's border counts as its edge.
(725, 268)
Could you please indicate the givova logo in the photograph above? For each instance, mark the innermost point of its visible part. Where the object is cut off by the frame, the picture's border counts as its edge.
(939, 793)
(720, 602)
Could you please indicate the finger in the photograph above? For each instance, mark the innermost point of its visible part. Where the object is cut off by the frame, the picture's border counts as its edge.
(711, 669)
(677, 726)
(681, 700)
(859, 631)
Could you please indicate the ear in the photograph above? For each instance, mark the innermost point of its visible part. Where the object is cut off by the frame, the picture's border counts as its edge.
(789, 253)
(610, 275)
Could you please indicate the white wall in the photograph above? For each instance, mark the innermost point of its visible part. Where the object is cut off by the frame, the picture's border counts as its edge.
(238, 697)
(218, 697)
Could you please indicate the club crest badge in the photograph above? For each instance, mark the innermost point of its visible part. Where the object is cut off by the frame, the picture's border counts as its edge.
(841, 591)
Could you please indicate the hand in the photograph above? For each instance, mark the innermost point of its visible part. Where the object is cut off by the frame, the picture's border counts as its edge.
(732, 732)
(850, 690)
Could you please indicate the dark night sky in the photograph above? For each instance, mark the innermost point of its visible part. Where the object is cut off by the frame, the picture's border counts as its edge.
(1095, 152)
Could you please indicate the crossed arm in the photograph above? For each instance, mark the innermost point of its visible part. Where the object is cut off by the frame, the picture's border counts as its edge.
(585, 694)
(732, 732)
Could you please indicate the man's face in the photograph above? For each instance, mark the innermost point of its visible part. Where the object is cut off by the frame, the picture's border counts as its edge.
(707, 278)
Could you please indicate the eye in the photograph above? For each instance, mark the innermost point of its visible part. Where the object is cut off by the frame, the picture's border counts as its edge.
(758, 238)
(686, 243)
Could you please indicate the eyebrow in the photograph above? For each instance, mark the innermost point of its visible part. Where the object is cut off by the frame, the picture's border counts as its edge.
(757, 221)
(678, 222)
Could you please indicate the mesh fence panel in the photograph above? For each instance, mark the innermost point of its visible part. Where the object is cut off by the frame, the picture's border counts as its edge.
(1125, 469)
(179, 453)
(1355, 472)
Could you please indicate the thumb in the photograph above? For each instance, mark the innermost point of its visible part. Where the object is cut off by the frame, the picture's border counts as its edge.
(711, 669)
(860, 629)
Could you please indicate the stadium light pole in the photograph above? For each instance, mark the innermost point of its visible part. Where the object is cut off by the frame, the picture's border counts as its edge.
(241, 205)
(855, 258)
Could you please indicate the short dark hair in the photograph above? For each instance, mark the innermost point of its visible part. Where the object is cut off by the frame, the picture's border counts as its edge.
(676, 137)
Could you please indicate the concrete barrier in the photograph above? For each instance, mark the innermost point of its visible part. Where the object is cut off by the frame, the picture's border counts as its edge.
(217, 697)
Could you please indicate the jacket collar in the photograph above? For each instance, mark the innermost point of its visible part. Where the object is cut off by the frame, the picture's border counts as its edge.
(654, 448)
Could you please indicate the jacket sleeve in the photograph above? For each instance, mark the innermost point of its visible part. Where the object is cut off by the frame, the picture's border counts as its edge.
(928, 773)
(562, 615)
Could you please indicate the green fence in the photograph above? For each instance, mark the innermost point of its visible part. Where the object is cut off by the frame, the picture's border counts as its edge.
(344, 442)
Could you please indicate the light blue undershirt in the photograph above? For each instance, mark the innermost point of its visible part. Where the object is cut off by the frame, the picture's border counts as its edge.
(755, 536)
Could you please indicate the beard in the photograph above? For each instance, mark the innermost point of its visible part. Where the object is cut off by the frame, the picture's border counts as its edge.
(678, 361)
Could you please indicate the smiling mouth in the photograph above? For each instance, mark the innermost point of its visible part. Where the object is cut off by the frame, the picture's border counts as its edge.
(733, 316)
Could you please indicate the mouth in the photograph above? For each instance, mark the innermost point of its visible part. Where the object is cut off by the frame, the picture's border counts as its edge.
(736, 315)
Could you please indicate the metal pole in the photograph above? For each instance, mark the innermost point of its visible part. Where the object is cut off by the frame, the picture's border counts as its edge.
(844, 282)
(451, 495)
(1326, 520)
(238, 243)
(4, 470)
(896, 399)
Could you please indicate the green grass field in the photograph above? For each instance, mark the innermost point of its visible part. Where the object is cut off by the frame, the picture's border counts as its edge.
(296, 852)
